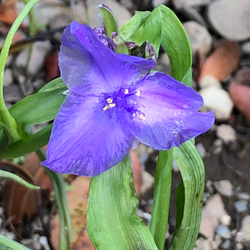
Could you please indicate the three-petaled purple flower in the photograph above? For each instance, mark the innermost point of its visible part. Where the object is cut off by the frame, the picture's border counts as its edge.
(113, 101)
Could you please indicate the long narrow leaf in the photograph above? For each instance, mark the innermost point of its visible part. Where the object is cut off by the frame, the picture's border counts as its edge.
(189, 196)
(62, 204)
(11, 244)
(28, 144)
(112, 221)
(162, 190)
(16, 178)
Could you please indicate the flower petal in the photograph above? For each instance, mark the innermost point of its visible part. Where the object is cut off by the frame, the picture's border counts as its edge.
(84, 140)
(88, 66)
(171, 113)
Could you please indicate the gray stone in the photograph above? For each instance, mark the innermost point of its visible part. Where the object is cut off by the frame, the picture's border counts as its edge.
(181, 3)
(226, 133)
(211, 215)
(224, 187)
(147, 182)
(223, 231)
(199, 37)
(230, 18)
(39, 53)
(12, 93)
(244, 235)
(218, 100)
(241, 206)
(209, 81)
(121, 13)
(226, 245)
(246, 47)
(203, 244)
(243, 196)
(8, 78)
(201, 150)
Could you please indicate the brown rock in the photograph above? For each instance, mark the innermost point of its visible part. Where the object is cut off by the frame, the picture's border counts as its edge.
(222, 62)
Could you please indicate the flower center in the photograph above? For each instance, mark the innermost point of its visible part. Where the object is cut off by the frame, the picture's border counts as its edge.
(125, 99)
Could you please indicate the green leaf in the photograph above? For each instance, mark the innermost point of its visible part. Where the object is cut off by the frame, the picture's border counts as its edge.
(6, 243)
(108, 20)
(143, 26)
(16, 178)
(53, 85)
(162, 191)
(162, 27)
(175, 42)
(189, 196)
(28, 144)
(38, 108)
(111, 218)
(5, 116)
(4, 140)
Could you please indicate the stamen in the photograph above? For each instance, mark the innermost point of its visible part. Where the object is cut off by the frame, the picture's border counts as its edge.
(112, 105)
(126, 91)
(109, 100)
(142, 116)
(138, 93)
(105, 108)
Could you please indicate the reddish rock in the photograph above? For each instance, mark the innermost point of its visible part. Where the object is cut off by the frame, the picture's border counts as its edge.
(240, 94)
(222, 62)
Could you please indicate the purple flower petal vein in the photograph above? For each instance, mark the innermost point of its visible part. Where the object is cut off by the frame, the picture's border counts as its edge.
(114, 100)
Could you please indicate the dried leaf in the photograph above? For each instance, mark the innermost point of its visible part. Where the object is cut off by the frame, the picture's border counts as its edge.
(137, 171)
(78, 200)
(8, 11)
(222, 62)
(20, 203)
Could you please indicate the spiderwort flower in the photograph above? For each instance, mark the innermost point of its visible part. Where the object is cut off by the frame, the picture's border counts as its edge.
(113, 101)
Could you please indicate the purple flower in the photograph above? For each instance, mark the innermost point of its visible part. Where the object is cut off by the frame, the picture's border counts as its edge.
(114, 101)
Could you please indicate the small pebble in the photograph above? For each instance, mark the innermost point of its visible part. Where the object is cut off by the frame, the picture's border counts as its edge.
(226, 133)
(219, 101)
(223, 231)
(225, 220)
(241, 206)
(199, 37)
(209, 81)
(226, 245)
(246, 47)
(201, 150)
(243, 196)
(224, 187)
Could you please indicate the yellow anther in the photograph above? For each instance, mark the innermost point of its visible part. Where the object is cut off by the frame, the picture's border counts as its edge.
(105, 108)
(109, 100)
(126, 91)
(142, 116)
(138, 93)
(112, 105)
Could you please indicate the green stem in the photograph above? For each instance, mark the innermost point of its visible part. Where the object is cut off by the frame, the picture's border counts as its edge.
(5, 116)
(62, 204)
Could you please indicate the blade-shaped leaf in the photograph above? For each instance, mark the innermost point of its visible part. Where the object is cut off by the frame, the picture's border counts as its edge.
(38, 108)
(27, 145)
(112, 221)
(16, 178)
(189, 196)
(162, 190)
(108, 19)
(162, 27)
(148, 28)
(175, 42)
(7, 244)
